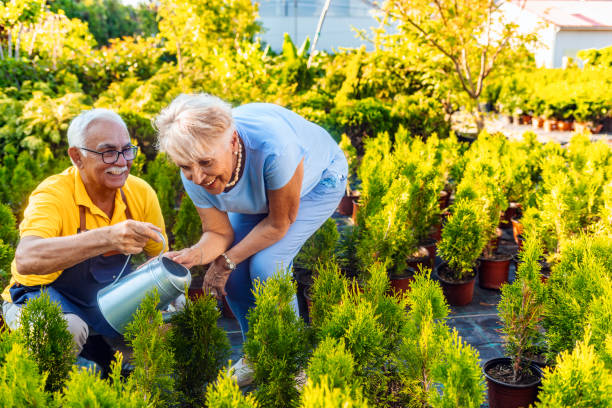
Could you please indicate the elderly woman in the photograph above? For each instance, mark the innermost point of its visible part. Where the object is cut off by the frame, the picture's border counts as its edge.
(263, 180)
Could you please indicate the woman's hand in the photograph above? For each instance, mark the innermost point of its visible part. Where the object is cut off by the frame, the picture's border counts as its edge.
(216, 278)
(187, 257)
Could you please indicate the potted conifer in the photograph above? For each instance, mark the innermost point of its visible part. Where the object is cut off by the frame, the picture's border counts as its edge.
(513, 380)
(351, 197)
(461, 244)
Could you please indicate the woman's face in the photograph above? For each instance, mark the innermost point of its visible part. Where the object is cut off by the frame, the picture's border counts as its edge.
(215, 169)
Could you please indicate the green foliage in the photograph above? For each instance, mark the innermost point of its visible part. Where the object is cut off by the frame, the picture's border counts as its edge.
(582, 275)
(320, 246)
(46, 337)
(326, 291)
(324, 395)
(21, 383)
(579, 379)
(224, 393)
(458, 370)
(331, 359)
(351, 157)
(153, 359)
(276, 344)
(599, 320)
(188, 227)
(200, 348)
(520, 310)
(462, 238)
(85, 389)
(596, 57)
(8, 242)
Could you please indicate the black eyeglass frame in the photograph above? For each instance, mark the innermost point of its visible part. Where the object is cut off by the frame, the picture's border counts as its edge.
(133, 148)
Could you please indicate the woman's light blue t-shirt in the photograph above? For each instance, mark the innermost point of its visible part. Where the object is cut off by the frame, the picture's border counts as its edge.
(275, 141)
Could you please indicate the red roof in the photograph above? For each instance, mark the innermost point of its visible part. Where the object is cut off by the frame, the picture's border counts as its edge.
(594, 14)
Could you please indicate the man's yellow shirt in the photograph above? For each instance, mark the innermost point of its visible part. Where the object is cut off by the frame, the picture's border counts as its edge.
(53, 211)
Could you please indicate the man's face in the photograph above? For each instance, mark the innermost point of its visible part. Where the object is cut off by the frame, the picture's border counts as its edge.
(103, 135)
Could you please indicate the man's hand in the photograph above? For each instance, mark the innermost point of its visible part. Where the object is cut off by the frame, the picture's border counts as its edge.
(130, 237)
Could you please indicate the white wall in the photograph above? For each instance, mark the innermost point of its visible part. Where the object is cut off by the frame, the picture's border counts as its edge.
(279, 17)
(569, 42)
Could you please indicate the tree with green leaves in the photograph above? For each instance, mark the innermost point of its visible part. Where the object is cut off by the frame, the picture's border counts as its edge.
(471, 36)
(224, 393)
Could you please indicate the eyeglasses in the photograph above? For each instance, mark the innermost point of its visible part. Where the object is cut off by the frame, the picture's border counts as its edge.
(111, 156)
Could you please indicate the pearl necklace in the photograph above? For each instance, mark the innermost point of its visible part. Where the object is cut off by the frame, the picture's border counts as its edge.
(238, 166)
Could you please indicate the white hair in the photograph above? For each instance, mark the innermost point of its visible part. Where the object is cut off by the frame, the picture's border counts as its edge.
(192, 124)
(77, 131)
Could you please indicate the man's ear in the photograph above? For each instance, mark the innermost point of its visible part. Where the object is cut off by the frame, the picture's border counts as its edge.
(76, 156)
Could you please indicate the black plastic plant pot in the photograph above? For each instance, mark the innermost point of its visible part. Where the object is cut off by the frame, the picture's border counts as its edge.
(503, 395)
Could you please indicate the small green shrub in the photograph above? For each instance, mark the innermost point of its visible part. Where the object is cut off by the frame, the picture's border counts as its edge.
(224, 393)
(153, 359)
(277, 342)
(462, 239)
(320, 246)
(326, 292)
(579, 379)
(21, 383)
(188, 227)
(458, 371)
(331, 359)
(599, 319)
(200, 348)
(324, 395)
(46, 337)
(85, 389)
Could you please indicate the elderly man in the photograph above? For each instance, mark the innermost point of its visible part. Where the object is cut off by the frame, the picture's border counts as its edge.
(80, 225)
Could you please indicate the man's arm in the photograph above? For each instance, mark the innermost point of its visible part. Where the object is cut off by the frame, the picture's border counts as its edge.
(41, 256)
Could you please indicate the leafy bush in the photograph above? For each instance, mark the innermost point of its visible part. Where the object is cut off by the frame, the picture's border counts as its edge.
(462, 239)
(200, 348)
(153, 359)
(331, 359)
(188, 227)
(46, 337)
(276, 344)
(21, 383)
(579, 379)
(224, 393)
(324, 395)
(8, 242)
(85, 389)
(320, 246)
(326, 292)
(580, 277)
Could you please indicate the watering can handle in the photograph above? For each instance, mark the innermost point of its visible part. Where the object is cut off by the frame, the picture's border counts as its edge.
(164, 245)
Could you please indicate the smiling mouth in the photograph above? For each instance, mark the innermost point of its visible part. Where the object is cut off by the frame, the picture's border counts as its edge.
(210, 182)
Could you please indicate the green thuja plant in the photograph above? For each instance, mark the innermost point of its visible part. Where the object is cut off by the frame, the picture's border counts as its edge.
(224, 393)
(322, 394)
(320, 246)
(326, 292)
(21, 383)
(520, 310)
(599, 319)
(458, 371)
(277, 342)
(331, 359)
(580, 277)
(8, 242)
(351, 157)
(579, 379)
(163, 176)
(462, 239)
(152, 359)
(46, 337)
(86, 389)
(200, 348)
(354, 320)
(188, 227)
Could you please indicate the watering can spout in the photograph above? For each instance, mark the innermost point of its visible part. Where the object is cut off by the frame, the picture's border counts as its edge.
(121, 299)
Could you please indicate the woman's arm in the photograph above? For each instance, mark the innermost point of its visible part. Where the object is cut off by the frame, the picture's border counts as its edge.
(217, 236)
(283, 205)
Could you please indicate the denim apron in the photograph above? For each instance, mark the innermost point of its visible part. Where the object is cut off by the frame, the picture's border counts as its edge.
(76, 289)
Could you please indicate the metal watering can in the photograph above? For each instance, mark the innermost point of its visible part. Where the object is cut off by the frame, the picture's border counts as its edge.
(119, 300)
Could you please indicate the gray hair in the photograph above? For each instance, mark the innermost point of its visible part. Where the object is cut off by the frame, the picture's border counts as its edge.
(77, 131)
(191, 124)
